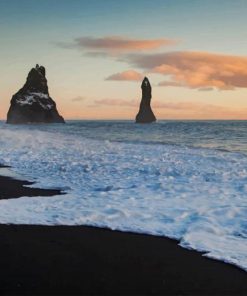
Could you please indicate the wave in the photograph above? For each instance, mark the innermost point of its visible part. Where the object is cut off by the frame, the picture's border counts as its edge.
(197, 196)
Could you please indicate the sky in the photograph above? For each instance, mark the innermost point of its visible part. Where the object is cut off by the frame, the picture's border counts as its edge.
(96, 53)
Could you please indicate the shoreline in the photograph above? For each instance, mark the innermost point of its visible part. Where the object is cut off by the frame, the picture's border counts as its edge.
(14, 188)
(72, 260)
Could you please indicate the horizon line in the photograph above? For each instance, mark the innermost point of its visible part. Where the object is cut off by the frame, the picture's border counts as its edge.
(124, 119)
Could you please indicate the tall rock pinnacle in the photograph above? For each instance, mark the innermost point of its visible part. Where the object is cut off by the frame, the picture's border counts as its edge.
(145, 114)
(32, 103)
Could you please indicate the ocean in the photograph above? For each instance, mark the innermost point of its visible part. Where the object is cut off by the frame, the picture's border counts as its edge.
(186, 180)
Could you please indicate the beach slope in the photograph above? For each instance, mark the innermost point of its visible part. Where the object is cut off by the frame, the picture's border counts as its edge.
(77, 260)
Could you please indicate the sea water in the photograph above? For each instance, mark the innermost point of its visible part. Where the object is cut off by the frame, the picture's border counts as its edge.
(181, 179)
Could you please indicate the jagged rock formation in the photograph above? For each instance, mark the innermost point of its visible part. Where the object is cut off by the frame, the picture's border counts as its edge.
(32, 103)
(145, 114)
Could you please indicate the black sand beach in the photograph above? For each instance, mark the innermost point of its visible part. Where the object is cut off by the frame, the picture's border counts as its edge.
(80, 260)
(11, 188)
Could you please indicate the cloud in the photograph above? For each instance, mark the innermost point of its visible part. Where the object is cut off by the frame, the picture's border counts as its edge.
(111, 44)
(178, 84)
(180, 110)
(160, 105)
(97, 54)
(199, 70)
(157, 104)
(206, 89)
(130, 75)
(116, 102)
(169, 83)
(78, 99)
(188, 106)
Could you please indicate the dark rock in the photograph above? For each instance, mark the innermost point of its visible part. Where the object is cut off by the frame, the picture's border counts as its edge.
(145, 114)
(32, 103)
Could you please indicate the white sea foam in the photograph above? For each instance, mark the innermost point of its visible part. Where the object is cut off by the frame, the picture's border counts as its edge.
(195, 195)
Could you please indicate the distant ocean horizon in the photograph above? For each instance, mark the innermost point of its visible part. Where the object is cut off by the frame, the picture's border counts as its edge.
(184, 179)
(228, 135)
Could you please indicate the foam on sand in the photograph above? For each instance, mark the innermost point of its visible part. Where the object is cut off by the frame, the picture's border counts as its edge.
(195, 195)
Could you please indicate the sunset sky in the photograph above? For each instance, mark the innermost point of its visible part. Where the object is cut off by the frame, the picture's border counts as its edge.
(96, 52)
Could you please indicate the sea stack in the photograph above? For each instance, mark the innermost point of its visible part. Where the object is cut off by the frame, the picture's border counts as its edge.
(145, 114)
(32, 103)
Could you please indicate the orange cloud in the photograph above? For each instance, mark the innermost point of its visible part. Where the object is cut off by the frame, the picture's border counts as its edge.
(78, 99)
(161, 105)
(185, 110)
(117, 44)
(199, 70)
(169, 83)
(130, 75)
(117, 102)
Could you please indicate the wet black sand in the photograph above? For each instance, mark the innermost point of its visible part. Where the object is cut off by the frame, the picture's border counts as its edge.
(10, 188)
(80, 260)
